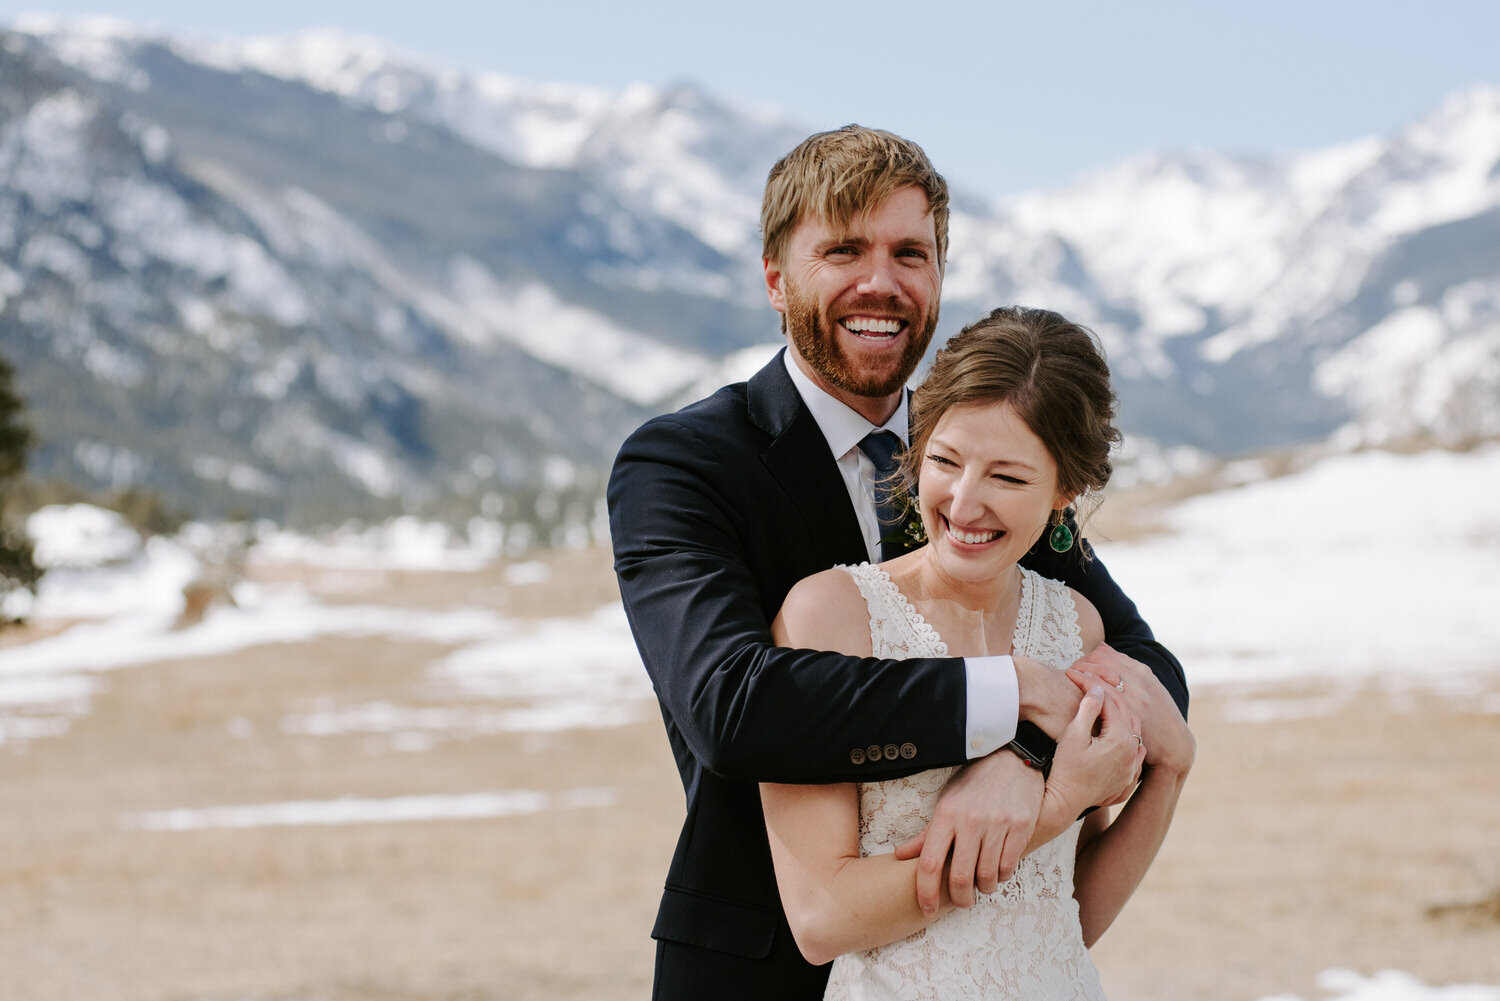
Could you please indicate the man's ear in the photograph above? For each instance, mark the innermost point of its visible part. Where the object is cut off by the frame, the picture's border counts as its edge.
(775, 290)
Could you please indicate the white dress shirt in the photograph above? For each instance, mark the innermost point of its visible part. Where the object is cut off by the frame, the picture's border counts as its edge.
(994, 697)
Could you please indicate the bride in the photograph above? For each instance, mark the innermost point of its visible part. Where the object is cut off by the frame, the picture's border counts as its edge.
(1010, 427)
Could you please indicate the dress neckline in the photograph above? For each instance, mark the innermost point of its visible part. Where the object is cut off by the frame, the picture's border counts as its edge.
(926, 629)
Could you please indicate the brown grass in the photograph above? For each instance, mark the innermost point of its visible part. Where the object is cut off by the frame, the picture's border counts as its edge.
(1365, 839)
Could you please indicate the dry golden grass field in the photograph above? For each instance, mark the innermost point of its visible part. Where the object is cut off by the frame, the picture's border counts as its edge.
(1367, 838)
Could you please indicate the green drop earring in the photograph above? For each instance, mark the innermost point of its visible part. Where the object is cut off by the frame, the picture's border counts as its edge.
(1060, 538)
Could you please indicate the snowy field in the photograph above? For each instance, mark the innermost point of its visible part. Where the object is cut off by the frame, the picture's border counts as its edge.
(127, 597)
(1364, 569)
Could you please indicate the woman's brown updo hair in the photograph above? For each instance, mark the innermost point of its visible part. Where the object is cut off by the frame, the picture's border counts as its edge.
(1051, 371)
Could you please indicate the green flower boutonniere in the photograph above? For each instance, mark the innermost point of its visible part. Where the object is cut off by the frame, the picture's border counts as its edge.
(910, 534)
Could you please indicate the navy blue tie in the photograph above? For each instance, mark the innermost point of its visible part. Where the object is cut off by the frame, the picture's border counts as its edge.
(883, 448)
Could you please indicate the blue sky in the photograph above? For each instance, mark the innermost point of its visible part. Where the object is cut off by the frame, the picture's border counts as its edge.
(1005, 96)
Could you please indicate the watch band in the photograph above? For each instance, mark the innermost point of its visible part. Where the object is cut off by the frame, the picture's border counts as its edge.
(1033, 746)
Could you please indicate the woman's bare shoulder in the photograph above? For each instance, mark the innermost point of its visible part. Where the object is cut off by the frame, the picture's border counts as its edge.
(1090, 625)
(825, 612)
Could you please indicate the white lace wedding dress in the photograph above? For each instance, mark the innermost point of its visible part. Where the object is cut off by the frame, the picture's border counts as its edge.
(1023, 941)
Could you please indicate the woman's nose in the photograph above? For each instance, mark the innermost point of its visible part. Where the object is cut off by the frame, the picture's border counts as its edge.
(967, 507)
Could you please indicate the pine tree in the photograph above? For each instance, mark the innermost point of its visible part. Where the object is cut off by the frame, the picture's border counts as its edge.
(17, 567)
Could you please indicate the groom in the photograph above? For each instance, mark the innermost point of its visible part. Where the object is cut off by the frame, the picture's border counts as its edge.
(718, 509)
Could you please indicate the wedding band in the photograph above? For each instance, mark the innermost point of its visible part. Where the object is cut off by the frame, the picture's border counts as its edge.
(1120, 685)
(1137, 739)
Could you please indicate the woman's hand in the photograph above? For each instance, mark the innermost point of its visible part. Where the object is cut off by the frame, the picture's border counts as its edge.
(1099, 755)
(1170, 746)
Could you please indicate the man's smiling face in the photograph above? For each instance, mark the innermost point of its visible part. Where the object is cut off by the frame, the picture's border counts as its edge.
(861, 302)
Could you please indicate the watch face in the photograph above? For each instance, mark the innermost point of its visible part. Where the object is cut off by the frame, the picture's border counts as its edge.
(1033, 746)
(1025, 754)
(1033, 743)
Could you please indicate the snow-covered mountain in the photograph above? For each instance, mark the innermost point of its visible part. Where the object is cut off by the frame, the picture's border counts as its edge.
(1359, 283)
(677, 154)
(313, 276)
(250, 293)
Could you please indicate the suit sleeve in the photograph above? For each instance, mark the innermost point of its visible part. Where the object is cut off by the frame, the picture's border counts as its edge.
(1124, 629)
(682, 529)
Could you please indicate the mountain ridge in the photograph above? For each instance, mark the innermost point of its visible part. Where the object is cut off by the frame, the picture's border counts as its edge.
(322, 276)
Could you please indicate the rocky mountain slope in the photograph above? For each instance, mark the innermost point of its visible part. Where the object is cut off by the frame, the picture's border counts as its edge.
(312, 277)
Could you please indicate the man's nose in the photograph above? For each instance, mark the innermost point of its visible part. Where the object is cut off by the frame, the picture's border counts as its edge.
(879, 277)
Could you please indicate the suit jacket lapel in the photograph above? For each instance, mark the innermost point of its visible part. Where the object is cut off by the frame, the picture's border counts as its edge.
(799, 460)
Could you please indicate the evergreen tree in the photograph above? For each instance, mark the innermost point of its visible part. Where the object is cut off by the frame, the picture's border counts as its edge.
(17, 567)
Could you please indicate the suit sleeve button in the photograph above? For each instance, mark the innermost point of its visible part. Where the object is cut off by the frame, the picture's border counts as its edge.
(856, 757)
(872, 753)
(892, 752)
(908, 751)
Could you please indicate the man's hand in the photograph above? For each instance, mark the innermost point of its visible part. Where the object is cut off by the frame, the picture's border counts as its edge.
(1048, 698)
(1169, 743)
(984, 819)
(1099, 757)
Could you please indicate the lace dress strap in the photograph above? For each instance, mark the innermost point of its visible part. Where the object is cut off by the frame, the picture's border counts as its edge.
(1047, 627)
(897, 630)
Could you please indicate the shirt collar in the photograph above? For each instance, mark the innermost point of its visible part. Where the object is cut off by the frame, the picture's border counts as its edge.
(842, 427)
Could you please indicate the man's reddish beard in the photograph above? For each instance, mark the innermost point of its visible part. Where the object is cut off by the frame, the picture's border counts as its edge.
(815, 339)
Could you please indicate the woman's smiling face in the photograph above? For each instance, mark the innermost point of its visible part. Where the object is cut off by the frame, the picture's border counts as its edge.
(987, 488)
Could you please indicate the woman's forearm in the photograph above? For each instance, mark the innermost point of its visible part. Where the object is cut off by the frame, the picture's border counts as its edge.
(863, 903)
(1112, 865)
(1056, 816)
(837, 900)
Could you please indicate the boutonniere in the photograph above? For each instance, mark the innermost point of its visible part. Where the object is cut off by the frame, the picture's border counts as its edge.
(910, 534)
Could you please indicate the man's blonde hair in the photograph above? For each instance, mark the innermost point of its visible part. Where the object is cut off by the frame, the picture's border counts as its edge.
(840, 176)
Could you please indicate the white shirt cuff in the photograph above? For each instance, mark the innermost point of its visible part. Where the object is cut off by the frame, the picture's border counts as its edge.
(994, 704)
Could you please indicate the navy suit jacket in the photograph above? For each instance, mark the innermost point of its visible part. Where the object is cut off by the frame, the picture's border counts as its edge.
(715, 512)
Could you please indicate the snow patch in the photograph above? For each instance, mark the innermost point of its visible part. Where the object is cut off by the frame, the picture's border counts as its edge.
(1350, 570)
(359, 810)
(629, 364)
(1390, 985)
